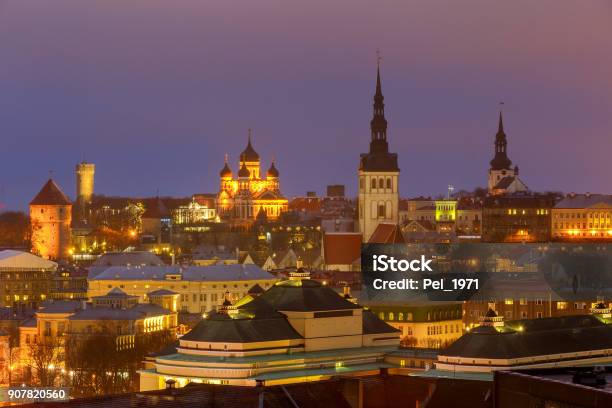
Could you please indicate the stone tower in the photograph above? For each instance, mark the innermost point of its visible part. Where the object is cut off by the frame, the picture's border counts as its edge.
(84, 182)
(50, 217)
(378, 174)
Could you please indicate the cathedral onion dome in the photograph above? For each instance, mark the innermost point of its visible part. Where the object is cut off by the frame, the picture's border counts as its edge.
(272, 171)
(249, 154)
(226, 171)
(243, 172)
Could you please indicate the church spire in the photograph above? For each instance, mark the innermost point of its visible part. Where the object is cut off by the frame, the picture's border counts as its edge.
(378, 124)
(500, 160)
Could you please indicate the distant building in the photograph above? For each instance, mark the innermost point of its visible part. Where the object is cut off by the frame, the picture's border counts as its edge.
(156, 222)
(517, 218)
(469, 217)
(193, 213)
(378, 174)
(583, 217)
(62, 324)
(297, 331)
(419, 208)
(128, 258)
(50, 216)
(524, 295)
(200, 288)
(26, 279)
(423, 324)
(243, 199)
(503, 178)
(335, 190)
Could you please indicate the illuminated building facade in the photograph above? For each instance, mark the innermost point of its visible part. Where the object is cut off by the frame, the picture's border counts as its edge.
(422, 324)
(378, 174)
(200, 288)
(115, 314)
(297, 331)
(26, 279)
(583, 217)
(503, 178)
(193, 213)
(51, 215)
(516, 218)
(249, 195)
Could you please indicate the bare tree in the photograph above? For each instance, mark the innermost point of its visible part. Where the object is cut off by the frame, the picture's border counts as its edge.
(97, 365)
(44, 359)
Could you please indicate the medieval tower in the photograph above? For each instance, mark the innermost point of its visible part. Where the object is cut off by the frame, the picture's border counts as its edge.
(50, 216)
(378, 174)
(84, 181)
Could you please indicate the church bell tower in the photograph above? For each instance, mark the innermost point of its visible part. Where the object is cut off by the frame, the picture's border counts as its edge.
(378, 173)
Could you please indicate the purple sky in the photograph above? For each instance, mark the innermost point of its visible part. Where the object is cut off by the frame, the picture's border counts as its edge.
(155, 92)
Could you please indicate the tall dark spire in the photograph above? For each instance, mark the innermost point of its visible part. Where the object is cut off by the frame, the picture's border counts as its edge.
(500, 160)
(379, 158)
(378, 124)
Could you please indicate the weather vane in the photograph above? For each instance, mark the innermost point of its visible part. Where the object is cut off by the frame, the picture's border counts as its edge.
(378, 56)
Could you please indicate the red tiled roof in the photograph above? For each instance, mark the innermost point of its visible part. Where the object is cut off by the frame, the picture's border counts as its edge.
(50, 194)
(387, 234)
(342, 248)
(305, 204)
(155, 208)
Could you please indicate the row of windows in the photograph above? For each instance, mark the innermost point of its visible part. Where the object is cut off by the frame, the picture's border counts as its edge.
(447, 328)
(584, 215)
(440, 315)
(584, 225)
(514, 211)
(246, 285)
(375, 184)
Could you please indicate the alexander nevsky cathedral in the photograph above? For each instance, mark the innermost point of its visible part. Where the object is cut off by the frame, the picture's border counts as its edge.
(249, 196)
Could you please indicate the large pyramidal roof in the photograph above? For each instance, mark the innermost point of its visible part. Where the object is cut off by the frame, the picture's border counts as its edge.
(50, 194)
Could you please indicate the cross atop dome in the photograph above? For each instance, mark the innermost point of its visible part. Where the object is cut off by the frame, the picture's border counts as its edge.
(249, 154)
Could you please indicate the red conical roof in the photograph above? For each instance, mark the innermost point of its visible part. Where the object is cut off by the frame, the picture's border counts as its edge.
(50, 194)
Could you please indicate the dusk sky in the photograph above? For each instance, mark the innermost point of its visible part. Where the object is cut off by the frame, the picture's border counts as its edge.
(156, 92)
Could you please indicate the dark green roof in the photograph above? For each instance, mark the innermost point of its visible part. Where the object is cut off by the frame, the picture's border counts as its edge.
(241, 328)
(305, 296)
(535, 337)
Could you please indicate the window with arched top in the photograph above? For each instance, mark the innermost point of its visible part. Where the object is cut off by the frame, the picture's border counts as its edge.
(373, 183)
(391, 316)
(389, 183)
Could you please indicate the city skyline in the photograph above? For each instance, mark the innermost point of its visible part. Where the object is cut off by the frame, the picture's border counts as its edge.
(308, 97)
